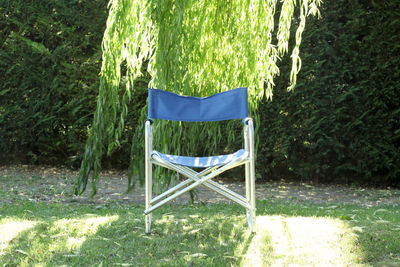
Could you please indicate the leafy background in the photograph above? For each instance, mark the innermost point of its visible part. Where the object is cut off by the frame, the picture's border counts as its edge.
(340, 124)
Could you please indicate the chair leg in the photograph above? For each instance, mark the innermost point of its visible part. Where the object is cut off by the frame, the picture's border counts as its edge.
(248, 196)
(252, 195)
(252, 178)
(148, 172)
(148, 193)
(148, 223)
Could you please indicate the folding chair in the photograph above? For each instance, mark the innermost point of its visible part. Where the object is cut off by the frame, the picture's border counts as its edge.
(227, 105)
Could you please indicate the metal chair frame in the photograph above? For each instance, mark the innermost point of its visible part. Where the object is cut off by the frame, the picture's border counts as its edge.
(204, 177)
(201, 178)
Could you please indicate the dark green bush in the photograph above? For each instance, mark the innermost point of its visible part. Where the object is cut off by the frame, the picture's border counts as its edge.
(342, 122)
(49, 63)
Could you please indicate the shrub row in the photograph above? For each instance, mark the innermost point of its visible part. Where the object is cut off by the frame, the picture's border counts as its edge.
(340, 124)
(49, 63)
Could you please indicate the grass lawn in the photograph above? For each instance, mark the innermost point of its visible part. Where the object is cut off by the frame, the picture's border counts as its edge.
(34, 233)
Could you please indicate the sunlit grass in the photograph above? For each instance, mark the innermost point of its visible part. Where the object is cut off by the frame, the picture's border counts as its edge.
(300, 234)
(38, 240)
(9, 229)
(71, 233)
(305, 241)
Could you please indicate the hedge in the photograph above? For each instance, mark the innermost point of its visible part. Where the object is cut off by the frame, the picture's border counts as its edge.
(49, 62)
(340, 124)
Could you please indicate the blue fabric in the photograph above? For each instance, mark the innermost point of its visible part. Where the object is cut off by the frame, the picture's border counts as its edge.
(218, 107)
(203, 162)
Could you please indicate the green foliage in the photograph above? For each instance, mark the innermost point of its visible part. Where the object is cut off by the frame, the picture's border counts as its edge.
(341, 123)
(205, 235)
(49, 63)
(193, 48)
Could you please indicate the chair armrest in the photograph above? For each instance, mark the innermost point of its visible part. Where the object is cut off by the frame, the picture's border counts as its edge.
(246, 120)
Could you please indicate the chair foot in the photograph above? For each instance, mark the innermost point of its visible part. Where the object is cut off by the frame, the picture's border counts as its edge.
(148, 223)
(251, 220)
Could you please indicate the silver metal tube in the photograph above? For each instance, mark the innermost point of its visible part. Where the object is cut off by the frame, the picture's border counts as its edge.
(177, 187)
(193, 185)
(247, 166)
(252, 165)
(228, 195)
(220, 187)
(195, 176)
(170, 191)
(252, 177)
(148, 172)
(209, 184)
(222, 190)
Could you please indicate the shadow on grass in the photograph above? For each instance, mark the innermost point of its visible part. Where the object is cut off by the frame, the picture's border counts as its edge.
(198, 235)
(85, 236)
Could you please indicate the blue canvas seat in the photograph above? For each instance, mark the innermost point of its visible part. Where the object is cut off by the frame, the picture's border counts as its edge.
(203, 162)
(227, 105)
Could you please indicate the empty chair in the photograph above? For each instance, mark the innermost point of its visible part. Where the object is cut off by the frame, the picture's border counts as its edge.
(227, 105)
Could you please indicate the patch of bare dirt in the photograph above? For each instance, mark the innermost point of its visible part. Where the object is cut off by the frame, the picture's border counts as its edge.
(48, 184)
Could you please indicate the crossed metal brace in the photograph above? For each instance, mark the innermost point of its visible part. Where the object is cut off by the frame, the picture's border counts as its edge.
(201, 178)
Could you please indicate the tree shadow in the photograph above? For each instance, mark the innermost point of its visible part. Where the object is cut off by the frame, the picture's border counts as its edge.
(53, 237)
(180, 236)
(187, 235)
(183, 235)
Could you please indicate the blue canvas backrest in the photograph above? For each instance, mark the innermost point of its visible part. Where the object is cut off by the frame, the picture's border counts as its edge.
(227, 105)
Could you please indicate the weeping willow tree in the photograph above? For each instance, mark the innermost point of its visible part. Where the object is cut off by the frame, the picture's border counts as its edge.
(190, 47)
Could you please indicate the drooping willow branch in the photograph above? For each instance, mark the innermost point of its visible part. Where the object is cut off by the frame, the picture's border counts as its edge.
(192, 47)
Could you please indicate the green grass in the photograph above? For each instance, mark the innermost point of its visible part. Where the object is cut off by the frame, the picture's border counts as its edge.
(86, 235)
(40, 234)
(42, 225)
